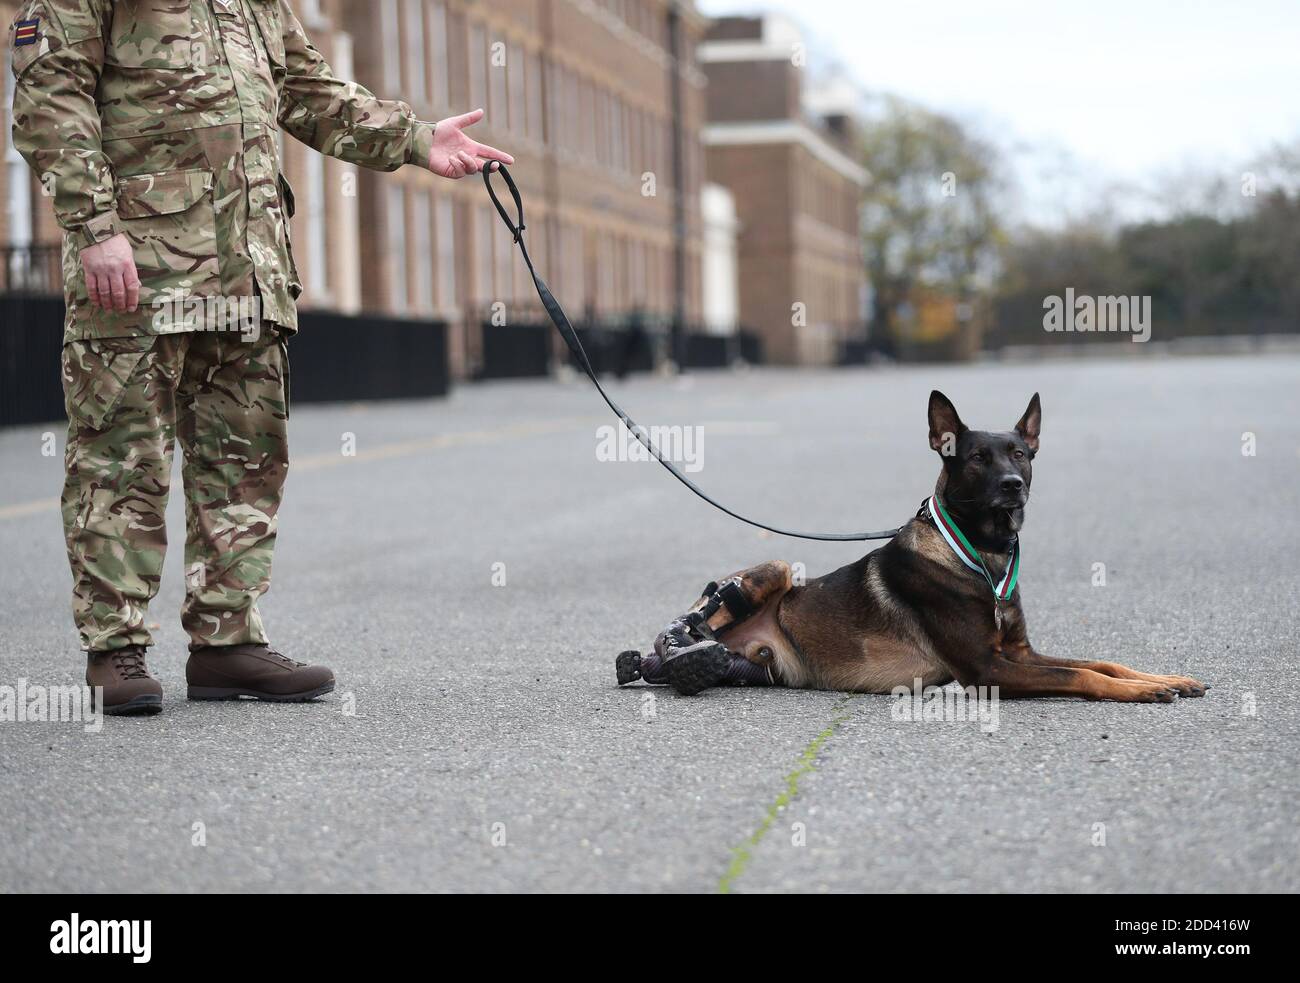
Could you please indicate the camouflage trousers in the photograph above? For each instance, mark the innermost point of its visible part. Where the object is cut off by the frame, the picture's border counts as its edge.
(129, 400)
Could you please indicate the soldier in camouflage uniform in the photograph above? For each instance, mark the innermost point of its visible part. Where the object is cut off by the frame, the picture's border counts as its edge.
(152, 126)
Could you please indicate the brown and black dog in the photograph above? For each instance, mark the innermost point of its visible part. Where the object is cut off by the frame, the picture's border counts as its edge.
(913, 609)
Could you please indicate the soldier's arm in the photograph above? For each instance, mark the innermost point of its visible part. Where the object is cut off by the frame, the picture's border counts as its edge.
(341, 118)
(58, 55)
(346, 120)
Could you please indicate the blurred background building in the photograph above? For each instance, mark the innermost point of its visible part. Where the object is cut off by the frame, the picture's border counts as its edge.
(601, 104)
(696, 192)
(660, 215)
(790, 163)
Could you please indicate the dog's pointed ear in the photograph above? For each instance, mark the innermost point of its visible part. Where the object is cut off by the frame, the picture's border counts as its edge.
(1030, 424)
(945, 424)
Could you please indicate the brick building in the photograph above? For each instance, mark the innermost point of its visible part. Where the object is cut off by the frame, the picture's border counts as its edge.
(588, 95)
(789, 162)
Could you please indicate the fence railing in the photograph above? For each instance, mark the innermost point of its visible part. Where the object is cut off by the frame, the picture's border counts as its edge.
(335, 358)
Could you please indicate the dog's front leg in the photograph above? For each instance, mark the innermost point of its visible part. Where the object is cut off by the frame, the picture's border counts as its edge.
(1183, 685)
(1016, 679)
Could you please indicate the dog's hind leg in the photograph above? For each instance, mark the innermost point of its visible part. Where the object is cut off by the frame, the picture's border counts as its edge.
(688, 655)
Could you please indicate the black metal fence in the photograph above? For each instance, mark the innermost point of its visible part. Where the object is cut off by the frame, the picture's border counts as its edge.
(31, 337)
(335, 358)
(527, 346)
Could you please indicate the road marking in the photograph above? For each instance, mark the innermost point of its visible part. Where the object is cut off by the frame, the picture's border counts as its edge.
(406, 448)
(442, 441)
(743, 853)
(28, 508)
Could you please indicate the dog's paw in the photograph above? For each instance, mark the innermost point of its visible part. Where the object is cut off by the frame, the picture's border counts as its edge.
(1185, 685)
(1143, 691)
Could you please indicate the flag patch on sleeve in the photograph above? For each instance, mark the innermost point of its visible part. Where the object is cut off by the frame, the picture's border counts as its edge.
(27, 32)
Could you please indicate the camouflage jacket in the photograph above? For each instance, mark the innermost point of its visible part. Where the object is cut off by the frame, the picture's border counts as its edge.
(158, 118)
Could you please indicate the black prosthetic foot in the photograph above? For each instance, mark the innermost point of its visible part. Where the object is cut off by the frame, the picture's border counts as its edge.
(696, 668)
(627, 666)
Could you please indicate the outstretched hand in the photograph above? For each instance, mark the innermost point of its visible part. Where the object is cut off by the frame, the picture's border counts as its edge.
(455, 154)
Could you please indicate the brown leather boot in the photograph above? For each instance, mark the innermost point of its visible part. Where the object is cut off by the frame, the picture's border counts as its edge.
(128, 687)
(227, 672)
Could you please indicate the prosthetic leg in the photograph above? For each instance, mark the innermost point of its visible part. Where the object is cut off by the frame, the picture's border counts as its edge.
(688, 655)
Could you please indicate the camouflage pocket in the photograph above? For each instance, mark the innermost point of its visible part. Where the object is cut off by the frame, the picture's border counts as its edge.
(289, 208)
(157, 34)
(96, 375)
(284, 362)
(171, 222)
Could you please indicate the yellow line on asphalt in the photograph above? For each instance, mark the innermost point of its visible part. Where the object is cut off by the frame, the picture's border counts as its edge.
(443, 441)
(405, 448)
(28, 508)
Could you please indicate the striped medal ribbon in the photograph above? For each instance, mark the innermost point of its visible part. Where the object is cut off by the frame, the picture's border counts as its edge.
(970, 556)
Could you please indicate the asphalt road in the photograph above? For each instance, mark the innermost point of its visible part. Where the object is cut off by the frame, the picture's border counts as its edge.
(477, 741)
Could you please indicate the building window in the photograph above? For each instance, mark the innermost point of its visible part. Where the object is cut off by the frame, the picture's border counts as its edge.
(417, 74)
(18, 198)
(478, 66)
(438, 52)
(342, 60)
(587, 117)
(518, 112)
(391, 33)
(561, 129)
(448, 299)
(311, 13)
(397, 287)
(619, 134)
(317, 222)
(498, 94)
(504, 265)
(422, 220)
(573, 259)
(534, 96)
(482, 255)
(605, 287)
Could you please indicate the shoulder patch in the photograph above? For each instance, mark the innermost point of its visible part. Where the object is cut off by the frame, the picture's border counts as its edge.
(27, 32)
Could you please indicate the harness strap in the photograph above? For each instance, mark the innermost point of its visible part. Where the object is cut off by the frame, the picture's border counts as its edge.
(570, 336)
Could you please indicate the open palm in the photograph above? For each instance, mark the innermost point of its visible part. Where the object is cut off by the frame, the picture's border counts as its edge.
(455, 153)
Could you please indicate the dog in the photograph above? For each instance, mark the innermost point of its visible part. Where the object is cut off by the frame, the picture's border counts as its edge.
(939, 602)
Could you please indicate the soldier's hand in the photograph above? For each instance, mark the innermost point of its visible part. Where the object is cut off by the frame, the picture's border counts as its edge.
(454, 154)
(111, 279)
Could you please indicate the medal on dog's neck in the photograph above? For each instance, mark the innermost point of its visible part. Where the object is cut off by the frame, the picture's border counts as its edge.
(970, 556)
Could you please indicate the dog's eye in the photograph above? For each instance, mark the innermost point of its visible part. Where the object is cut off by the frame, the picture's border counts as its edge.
(1019, 455)
(980, 457)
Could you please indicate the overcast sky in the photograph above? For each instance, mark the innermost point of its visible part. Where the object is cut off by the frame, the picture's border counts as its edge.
(1125, 91)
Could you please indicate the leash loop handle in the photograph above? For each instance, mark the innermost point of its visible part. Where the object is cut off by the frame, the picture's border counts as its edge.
(516, 229)
(561, 321)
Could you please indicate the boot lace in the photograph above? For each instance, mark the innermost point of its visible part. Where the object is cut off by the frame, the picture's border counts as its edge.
(284, 659)
(130, 663)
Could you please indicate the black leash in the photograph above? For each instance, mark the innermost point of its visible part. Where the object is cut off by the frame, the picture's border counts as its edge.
(570, 336)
